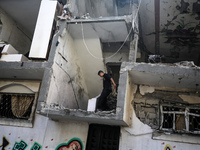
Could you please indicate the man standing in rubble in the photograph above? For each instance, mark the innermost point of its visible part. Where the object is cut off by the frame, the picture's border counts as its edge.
(107, 89)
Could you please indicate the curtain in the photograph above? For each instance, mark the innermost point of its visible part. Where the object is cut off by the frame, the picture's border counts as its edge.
(20, 104)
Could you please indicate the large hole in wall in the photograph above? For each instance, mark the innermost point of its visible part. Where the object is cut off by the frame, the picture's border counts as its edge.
(166, 110)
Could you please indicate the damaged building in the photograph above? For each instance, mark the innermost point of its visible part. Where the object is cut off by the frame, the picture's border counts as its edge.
(51, 51)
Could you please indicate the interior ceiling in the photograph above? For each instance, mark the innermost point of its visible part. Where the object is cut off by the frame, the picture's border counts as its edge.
(106, 31)
(165, 80)
(160, 76)
(24, 12)
(171, 28)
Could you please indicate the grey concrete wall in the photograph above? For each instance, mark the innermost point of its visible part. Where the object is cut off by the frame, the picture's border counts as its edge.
(91, 65)
(103, 8)
(61, 91)
(175, 19)
(110, 49)
(68, 60)
(14, 34)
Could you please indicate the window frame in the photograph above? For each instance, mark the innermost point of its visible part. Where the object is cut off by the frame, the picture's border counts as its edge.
(26, 87)
(21, 122)
(186, 114)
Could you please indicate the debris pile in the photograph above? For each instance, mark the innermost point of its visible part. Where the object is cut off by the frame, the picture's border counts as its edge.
(186, 64)
(156, 59)
(47, 108)
(67, 15)
(111, 102)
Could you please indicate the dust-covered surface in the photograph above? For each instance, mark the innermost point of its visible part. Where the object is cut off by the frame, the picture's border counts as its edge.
(148, 106)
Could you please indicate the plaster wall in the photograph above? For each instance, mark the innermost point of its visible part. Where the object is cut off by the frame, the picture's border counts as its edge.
(130, 92)
(115, 52)
(78, 69)
(46, 134)
(61, 91)
(143, 140)
(66, 58)
(24, 86)
(148, 99)
(118, 58)
(142, 133)
(14, 34)
(91, 65)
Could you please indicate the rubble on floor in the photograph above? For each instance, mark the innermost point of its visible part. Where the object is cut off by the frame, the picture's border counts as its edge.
(57, 107)
(111, 102)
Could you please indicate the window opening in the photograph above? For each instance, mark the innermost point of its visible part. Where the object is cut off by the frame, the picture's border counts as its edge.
(183, 119)
(16, 106)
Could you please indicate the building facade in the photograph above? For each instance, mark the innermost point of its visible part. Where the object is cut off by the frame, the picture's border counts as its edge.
(52, 50)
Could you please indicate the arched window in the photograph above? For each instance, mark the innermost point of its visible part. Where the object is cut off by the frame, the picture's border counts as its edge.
(18, 102)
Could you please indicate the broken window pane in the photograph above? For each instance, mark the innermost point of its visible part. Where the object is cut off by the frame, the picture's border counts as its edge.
(184, 116)
(168, 121)
(194, 121)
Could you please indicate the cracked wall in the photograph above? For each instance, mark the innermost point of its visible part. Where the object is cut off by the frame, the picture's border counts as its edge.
(178, 31)
(67, 88)
(147, 103)
(142, 133)
(61, 91)
(74, 73)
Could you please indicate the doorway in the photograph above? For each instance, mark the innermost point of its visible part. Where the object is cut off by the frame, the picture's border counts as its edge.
(103, 137)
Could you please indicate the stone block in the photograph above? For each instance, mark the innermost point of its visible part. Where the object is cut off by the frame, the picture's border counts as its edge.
(141, 114)
(152, 115)
(150, 110)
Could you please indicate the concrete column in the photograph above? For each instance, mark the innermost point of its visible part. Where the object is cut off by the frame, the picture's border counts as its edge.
(133, 49)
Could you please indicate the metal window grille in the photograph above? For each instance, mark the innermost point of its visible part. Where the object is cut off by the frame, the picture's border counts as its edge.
(16, 106)
(181, 119)
(103, 137)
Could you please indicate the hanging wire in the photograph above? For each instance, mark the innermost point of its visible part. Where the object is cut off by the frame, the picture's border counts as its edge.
(83, 37)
